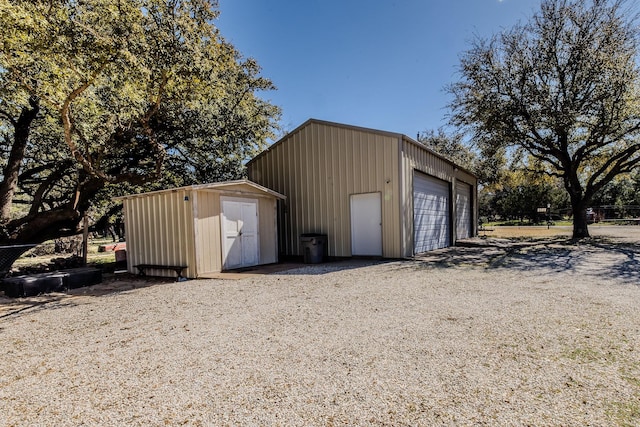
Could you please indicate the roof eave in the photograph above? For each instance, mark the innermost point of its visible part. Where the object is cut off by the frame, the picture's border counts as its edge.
(211, 186)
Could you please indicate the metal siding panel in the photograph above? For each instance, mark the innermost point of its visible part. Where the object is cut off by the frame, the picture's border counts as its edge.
(307, 179)
(323, 166)
(356, 169)
(161, 208)
(309, 188)
(387, 164)
(208, 252)
(271, 164)
(146, 230)
(333, 183)
(283, 182)
(267, 231)
(164, 227)
(298, 202)
(322, 177)
(131, 233)
(290, 185)
(201, 217)
(187, 246)
(344, 244)
(314, 160)
(159, 232)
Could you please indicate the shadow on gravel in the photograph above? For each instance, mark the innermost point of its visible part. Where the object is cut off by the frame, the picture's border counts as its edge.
(111, 284)
(331, 266)
(628, 267)
(594, 256)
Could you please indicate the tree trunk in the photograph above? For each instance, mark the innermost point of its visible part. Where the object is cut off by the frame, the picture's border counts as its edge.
(64, 220)
(580, 229)
(12, 170)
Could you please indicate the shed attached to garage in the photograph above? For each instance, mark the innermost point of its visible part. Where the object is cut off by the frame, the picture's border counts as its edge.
(207, 228)
(372, 192)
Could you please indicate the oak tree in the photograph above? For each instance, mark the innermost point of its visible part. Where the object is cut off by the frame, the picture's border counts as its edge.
(99, 97)
(563, 88)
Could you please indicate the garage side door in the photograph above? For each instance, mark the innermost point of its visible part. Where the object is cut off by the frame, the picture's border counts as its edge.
(366, 224)
(431, 217)
(463, 210)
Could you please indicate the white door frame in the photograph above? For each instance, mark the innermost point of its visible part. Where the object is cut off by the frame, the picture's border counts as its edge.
(366, 224)
(244, 239)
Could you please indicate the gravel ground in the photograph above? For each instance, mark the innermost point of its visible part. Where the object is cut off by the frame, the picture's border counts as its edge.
(540, 332)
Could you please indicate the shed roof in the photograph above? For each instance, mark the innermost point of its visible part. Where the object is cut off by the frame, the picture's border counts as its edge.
(214, 186)
(362, 129)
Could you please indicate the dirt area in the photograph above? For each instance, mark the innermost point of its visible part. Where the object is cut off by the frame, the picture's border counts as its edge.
(528, 331)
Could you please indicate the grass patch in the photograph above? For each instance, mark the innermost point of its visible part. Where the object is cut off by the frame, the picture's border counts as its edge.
(517, 223)
(625, 414)
(35, 257)
(583, 355)
(634, 381)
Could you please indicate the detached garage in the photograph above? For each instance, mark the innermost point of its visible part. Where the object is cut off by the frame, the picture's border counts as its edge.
(373, 193)
(205, 228)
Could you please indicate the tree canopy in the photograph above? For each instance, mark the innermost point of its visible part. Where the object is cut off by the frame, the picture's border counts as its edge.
(563, 88)
(100, 97)
(451, 146)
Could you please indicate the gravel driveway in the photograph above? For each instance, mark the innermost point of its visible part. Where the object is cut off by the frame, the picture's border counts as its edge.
(498, 333)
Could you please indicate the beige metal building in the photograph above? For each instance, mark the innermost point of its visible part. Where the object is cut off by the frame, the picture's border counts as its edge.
(372, 192)
(207, 228)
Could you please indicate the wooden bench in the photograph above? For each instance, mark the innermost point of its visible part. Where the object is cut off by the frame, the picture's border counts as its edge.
(177, 268)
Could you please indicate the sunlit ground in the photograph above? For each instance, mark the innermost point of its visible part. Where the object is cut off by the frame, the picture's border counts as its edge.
(626, 232)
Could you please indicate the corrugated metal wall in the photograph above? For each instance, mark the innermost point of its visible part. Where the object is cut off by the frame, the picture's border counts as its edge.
(208, 234)
(267, 229)
(159, 230)
(318, 167)
(417, 158)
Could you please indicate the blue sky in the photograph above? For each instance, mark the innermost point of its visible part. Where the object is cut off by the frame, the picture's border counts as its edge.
(380, 64)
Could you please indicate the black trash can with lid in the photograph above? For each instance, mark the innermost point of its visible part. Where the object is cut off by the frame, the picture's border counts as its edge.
(314, 247)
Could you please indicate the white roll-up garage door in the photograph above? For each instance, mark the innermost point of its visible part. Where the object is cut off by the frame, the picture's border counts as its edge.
(431, 218)
(463, 210)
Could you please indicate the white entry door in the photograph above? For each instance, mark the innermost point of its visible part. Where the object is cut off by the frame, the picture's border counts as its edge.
(366, 224)
(239, 233)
